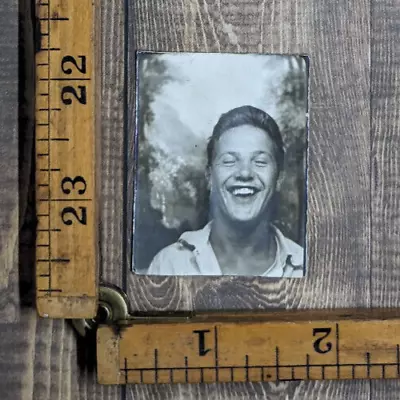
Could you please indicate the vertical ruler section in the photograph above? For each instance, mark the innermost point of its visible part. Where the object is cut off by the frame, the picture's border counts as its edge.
(66, 270)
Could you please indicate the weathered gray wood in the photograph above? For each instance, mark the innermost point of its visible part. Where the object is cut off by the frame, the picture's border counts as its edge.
(39, 358)
(45, 359)
(112, 140)
(9, 199)
(385, 167)
(339, 195)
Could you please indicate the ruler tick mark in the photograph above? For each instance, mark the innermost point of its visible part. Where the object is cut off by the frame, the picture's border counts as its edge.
(308, 366)
(53, 139)
(277, 363)
(186, 370)
(63, 200)
(54, 19)
(49, 109)
(216, 353)
(156, 365)
(66, 79)
(337, 352)
(368, 358)
(126, 370)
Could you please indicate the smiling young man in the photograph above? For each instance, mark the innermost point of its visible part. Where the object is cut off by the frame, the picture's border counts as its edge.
(245, 162)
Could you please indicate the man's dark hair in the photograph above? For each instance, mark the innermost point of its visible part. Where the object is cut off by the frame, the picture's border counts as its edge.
(247, 115)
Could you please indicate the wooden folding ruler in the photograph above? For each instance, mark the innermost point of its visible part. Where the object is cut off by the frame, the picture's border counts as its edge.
(244, 347)
(66, 270)
(158, 349)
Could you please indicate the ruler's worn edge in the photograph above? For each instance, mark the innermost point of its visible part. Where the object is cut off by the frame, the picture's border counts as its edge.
(70, 307)
(108, 345)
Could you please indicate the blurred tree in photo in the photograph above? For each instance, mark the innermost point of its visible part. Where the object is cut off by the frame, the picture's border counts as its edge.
(292, 108)
(170, 174)
(154, 74)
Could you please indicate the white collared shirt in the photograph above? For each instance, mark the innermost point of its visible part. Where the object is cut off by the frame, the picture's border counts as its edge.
(193, 254)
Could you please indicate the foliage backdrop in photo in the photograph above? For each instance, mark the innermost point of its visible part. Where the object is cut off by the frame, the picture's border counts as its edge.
(180, 99)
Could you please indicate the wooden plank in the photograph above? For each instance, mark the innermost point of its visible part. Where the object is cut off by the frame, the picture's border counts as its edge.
(338, 185)
(112, 230)
(145, 18)
(45, 359)
(40, 360)
(9, 197)
(330, 232)
(339, 198)
(385, 187)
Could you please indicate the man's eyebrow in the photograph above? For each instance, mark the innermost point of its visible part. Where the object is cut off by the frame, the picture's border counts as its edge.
(232, 153)
(254, 154)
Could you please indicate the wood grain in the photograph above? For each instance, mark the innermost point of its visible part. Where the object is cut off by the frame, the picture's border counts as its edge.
(9, 195)
(145, 18)
(40, 359)
(385, 167)
(112, 20)
(339, 159)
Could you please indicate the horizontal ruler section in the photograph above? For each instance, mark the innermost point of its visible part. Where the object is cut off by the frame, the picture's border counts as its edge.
(193, 352)
(66, 268)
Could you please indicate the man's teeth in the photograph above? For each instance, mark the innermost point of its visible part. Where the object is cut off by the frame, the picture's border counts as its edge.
(243, 191)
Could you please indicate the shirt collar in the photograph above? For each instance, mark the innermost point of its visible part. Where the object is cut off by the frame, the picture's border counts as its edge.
(288, 252)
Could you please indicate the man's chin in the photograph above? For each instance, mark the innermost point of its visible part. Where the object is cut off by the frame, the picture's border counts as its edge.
(246, 220)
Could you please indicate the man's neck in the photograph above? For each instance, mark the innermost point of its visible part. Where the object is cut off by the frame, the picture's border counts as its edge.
(242, 238)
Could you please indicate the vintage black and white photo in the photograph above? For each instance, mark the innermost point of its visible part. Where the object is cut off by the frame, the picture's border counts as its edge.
(221, 161)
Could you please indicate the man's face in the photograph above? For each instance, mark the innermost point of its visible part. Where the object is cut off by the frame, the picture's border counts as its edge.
(244, 174)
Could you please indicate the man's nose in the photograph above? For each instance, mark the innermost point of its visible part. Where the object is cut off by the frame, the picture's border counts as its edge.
(245, 172)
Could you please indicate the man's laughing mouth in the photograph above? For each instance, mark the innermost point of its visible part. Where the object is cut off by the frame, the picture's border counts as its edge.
(243, 191)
